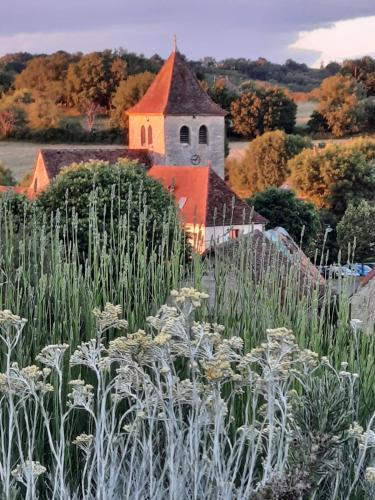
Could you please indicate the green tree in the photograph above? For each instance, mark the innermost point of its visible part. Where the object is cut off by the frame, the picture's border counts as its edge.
(282, 208)
(120, 193)
(128, 93)
(259, 110)
(356, 230)
(264, 163)
(6, 176)
(339, 104)
(335, 176)
(363, 71)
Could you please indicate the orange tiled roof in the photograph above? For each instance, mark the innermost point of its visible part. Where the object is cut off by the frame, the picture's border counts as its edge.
(369, 277)
(203, 197)
(176, 91)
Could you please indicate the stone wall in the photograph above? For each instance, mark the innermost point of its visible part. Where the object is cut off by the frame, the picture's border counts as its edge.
(363, 306)
(158, 137)
(181, 154)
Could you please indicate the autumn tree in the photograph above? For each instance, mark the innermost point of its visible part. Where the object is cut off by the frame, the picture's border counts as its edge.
(282, 208)
(221, 93)
(94, 78)
(335, 176)
(339, 104)
(13, 114)
(128, 93)
(264, 163)
(43, 113)
(356, 230)
(45, 76)
(263, 109)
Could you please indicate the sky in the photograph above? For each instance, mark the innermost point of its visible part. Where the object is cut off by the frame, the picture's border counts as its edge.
(307, 31)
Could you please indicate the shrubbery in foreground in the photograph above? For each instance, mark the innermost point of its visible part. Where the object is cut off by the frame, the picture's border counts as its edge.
(177, 410)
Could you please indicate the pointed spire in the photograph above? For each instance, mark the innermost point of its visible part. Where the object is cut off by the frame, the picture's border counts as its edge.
(174, 43)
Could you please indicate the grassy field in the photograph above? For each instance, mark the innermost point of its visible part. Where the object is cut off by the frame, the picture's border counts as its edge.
(304, 110)
(20, 156)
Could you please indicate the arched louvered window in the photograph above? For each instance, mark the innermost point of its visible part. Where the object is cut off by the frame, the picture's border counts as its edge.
(149, 134)
(203, 135)
(143, 136)
(36, 184)
(184, 135)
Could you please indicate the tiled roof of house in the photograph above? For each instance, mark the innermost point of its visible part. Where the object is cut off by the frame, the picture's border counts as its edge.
(56, 159)
(203, 197)
(269, 262)
(176, 91)
(369, 277)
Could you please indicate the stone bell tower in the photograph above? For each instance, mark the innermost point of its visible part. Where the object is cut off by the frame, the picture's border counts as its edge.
(177, 121)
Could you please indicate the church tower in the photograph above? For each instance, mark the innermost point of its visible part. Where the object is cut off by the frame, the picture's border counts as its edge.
(177, 121)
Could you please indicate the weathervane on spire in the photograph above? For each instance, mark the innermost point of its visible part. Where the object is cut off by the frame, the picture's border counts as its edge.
(174, 43)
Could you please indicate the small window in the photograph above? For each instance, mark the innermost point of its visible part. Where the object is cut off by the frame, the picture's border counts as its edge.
(203, 135)
(234, 234)
(149, 134)
(143, 136)
(36, 184)
(184, 135)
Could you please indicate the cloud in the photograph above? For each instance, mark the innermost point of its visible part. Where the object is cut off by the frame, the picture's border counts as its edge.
(342, 40)
(221, 28)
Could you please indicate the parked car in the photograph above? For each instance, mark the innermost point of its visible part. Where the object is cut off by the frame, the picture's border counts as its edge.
(361, 269)
(344, 271)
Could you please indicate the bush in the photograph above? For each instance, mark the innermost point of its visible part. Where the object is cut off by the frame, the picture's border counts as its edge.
(265, 162)
(260, 110)
(121, 195)
(334, 176)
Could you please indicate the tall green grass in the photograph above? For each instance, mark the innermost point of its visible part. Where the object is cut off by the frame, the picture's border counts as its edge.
(45, 278)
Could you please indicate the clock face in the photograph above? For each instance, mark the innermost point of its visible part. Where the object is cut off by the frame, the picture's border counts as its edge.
(195, 160)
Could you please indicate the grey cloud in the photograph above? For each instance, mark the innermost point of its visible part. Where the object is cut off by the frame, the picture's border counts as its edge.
(221, 28)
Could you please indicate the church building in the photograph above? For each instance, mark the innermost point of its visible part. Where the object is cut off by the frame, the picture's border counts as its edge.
(177, 133)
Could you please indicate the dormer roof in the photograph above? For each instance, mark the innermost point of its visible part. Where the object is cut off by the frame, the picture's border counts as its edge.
(176, 91)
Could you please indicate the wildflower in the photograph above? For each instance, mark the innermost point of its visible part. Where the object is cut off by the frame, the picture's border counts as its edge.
(109, 317)
(356, 324)
(324, 360)
(8, 318)
(83, 441)
(87, 354)
(355, 430)
(370, 474)
(344, 365)
(30, 468)
(52, 355)
(81, 395)
(162, 339)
